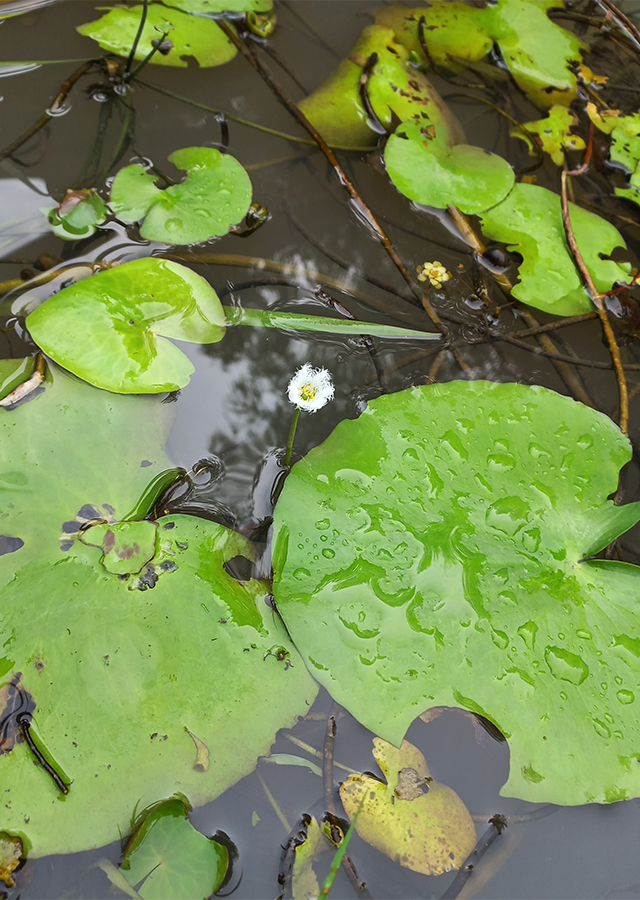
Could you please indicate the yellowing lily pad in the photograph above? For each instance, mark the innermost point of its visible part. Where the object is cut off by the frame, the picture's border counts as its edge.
(625, 145)
(191, 36)
(417, 822)
(215, 195)
(552, 133)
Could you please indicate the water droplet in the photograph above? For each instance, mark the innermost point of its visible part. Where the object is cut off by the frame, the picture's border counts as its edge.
(323, 524)
(601, 728)
(585, 441)
(528, 633)
(328, 553)
(301, 574)
(502, 461)
(585, 635)
(410, 453)
(537, 450)
(563, 695)
(625, 697)
(500, 639)
(565, 665)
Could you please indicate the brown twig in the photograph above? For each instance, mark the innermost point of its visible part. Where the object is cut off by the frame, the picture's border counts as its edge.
(594, 294)
(359, 204)
(553, 326)
(54, 109)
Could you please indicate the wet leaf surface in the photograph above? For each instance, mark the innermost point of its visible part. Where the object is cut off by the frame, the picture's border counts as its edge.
(426, 169)
(122, 669)
(191, 36)
(168, 858)
(529, 220)
(396, 90)
(126, 546)
(129, 312)
(215, 195)
(553, 133)
(417, 822)
(430, 553)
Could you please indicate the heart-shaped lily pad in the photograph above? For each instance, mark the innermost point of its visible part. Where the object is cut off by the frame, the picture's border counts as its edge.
(529, 220)
(433, 552)
(215, 195)
(78, 215)
(112, 329)
(426, 169)
(191, 36)
(171, 858)
(121, 673)
(419, 823)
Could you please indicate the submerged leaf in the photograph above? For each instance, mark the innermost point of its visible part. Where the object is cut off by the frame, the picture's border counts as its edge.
(417, 822)
(128, 312)
(552, 133)
(445, 537)
(529, 220)
(171, 858)
(536, 50)
(426, 169)
(78, 215)
(191, 36)
(215, 195)
(396, 91)
(126, 546)
(119, 666)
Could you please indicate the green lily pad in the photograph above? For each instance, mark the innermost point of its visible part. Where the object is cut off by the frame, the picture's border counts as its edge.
(191, 36)
(417, 822)
(396, 91)
(122, 673)
(215, 195)
(625, 145)
(529, 220)
(536, 50)
(171, 858)
(126, 546)
(552, 133)
(434, 552)
(78, 215)
(112, 329)
(426, 169)
(214, 6)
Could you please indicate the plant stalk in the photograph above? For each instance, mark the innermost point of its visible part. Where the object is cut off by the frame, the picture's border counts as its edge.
(292, 434)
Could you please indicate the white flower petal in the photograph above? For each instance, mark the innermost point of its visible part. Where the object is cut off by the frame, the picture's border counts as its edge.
(310, 389)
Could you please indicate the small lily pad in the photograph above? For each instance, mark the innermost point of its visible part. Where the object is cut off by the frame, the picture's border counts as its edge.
(78, 215)
(553, 133)
(396, 91)
(112, 329)
(215, 195)
(529, 220)
(417, 822)
(191, 36)
(426, 169)
(168, 858)
(126, 546)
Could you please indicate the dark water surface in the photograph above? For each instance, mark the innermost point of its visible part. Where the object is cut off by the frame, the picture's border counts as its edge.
(235, 407)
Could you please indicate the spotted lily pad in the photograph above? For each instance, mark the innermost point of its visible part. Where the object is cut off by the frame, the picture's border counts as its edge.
(536, 50)
(126, 546)
(118, 673)
(426, 169)
(171, 858)
(112, 329)
(435, 552)
(529, 220)
(215, 195)
(396, 89)
(191, 36)
(553, 133)
(419, 823)
(625, 145)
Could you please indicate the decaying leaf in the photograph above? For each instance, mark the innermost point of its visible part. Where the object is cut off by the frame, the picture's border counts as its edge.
(126, 546)
(202, 753)
(417, 822)
(625, 145)
(10, 852)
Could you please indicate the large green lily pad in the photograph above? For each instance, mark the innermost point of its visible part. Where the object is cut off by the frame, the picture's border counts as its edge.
(421, 824)
(112, 329)
(125, 671)
(191, 36)
(215, 195)
(536, 50)
(396, 90)
(529, 220)
(433, 553)
(425, 168)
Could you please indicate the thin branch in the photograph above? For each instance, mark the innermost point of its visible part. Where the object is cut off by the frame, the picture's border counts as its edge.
(594, 294)
(361, 208)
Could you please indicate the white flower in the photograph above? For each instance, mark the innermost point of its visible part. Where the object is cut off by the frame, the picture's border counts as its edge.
(310, 389)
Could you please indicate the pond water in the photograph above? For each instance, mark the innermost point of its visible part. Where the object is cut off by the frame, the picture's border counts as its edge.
(235, 414)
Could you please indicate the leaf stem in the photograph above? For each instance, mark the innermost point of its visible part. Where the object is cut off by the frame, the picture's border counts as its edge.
(143, 18)
(292, 434)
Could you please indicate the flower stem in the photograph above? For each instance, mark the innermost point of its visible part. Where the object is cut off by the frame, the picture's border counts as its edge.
(292, 434)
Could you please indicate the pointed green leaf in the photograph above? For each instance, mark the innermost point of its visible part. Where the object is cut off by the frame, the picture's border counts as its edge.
(191, 36)
(215, 195)
(128, 312)
(430, 553)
